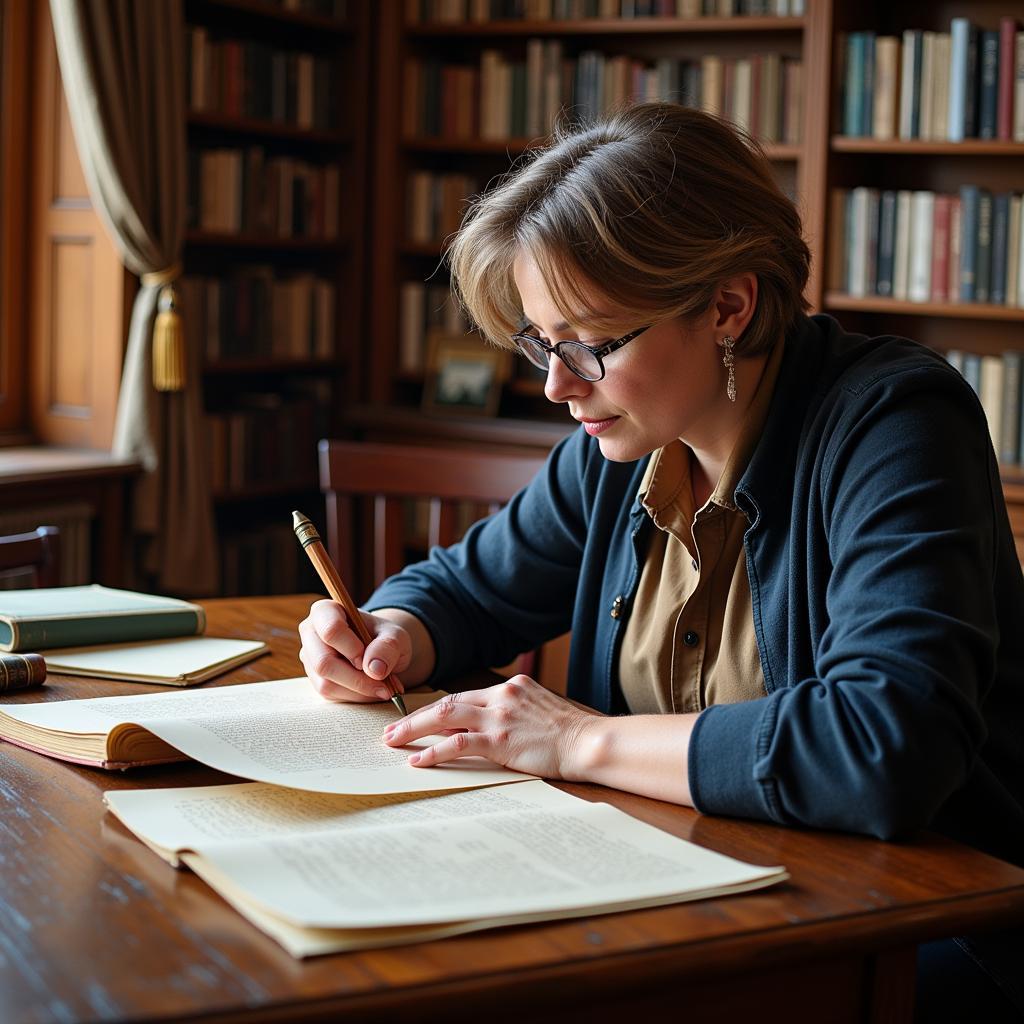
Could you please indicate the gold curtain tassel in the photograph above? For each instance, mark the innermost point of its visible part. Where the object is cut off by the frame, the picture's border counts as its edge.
(168, 344)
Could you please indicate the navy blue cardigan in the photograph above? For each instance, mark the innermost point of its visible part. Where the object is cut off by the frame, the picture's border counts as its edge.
(888, 599)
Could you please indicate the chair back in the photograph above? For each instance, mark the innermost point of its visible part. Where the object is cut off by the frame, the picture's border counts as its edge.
(386, 476)
(35, 554)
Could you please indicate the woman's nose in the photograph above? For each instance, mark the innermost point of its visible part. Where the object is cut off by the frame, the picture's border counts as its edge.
(562, 384)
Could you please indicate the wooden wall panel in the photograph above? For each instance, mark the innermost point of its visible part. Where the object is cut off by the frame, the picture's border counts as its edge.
(77, 321)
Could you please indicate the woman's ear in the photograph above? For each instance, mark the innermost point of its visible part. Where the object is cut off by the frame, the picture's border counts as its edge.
(735, 303)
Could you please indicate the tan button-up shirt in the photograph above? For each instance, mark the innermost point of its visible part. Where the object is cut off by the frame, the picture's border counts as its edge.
(690, 638)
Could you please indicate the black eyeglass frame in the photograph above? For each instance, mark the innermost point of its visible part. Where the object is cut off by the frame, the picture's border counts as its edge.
(598, 353)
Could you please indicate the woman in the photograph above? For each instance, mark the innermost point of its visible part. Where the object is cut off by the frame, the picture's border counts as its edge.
(781, 548)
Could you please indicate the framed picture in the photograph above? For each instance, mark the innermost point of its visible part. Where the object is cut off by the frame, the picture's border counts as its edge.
(464, 375)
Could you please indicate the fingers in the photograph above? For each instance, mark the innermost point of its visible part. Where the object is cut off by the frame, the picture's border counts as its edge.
(332, 655)
(454, 714)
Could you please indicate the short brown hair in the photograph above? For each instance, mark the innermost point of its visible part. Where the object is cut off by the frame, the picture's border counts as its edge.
(654, 207)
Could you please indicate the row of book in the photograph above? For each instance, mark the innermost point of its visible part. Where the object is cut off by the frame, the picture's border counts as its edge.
(504, 98)
(929, 247)
(257, 312)
(939, 86)
(246, 190)
(997, 381)
(264, 560)
(251, 79)
(436, 203)
(266, 438)
(424, 308)
(456, 11)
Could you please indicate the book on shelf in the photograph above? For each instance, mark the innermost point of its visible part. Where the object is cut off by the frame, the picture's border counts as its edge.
(424, 308)
(248, 78)
(181, 661)
(258, 311)
(234, 190)
(455, 12)
(996, 379)
(72, 616)
(937, 86)
(322, 874)
(521, 99)
(924, 246)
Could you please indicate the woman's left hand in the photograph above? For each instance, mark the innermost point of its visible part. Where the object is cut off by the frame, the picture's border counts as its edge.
(518, 724)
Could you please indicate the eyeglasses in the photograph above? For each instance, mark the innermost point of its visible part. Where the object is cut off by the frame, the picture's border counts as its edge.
(584, 361)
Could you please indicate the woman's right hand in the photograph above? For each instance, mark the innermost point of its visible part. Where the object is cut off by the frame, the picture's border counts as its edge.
(338, 665)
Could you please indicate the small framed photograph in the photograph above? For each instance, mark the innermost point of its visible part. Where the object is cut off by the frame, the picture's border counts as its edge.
(464, 375)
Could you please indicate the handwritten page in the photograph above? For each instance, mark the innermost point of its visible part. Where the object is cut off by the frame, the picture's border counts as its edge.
(501, 854)
(281, 732)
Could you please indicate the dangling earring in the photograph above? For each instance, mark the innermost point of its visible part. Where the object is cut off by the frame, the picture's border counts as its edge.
(730, 365)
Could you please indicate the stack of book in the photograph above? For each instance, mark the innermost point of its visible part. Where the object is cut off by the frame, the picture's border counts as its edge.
(940, 86)
(245, 190)
(254, 311)
(456, 11)
(425, 308)
(929, 247)
(997, 381)
(436, 204)
(267, 438)
(251, 79)
(503, 98)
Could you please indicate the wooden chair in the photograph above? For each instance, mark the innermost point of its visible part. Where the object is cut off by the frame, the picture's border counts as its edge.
(385, 476)
(38, 551)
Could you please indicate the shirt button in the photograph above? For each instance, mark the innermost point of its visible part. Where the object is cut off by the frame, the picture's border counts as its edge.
(690, 639)
(617, 607)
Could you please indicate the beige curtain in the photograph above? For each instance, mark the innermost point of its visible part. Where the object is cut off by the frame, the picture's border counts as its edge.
(123, 66)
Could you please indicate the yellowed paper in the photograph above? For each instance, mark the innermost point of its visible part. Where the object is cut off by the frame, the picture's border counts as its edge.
(492, 856)
(282, 732)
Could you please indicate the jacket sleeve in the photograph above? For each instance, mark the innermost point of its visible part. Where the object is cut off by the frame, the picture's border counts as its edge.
(888, 726)
(510, 583)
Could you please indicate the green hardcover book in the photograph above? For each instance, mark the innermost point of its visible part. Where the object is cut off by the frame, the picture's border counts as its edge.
(74, 616)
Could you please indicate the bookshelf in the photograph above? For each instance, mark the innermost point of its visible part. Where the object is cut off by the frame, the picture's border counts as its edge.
(277, 122)
(406, 145)
(812, 168)
(979, 330)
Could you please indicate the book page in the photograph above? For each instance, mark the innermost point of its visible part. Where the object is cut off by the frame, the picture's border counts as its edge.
(177, 658)
(282, 732)
(501, 853)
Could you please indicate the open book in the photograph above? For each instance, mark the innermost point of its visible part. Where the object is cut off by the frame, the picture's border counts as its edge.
(325, 873)
(281, 732)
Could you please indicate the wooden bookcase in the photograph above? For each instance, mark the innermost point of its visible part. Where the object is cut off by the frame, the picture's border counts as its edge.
(822, 161)
(983, 328)
(269, 398)
(393, 395)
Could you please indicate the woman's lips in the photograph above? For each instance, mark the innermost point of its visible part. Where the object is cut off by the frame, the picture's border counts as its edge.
(595, 427)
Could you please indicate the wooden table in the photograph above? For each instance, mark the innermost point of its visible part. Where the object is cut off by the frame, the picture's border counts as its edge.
(95, 927)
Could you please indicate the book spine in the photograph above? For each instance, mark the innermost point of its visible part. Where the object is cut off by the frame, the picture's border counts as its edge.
(1018, 90)
(79, 630)
(988, 85)
(1013, 252)
(991, 394)
(983, 269)
(1000, 238)
(940, 249)
(921, 228)
(969, 201)
(901, 267)
(887, 59)
(886, 243)
(1009, 444)
(1007, 57)
(960, 31)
